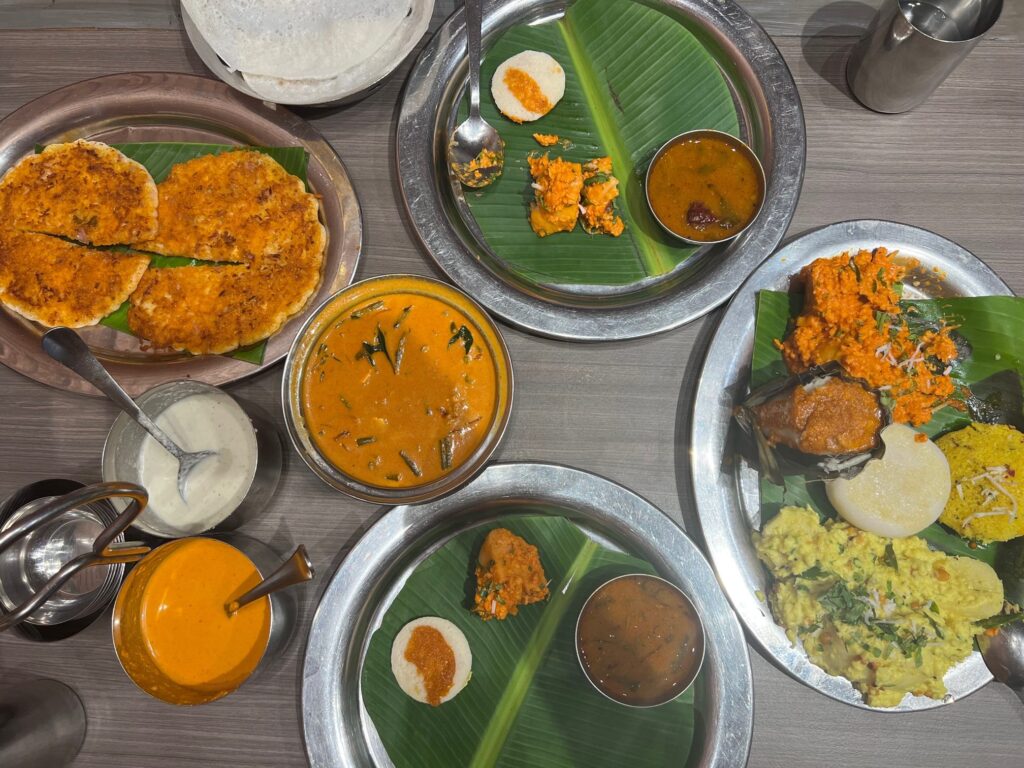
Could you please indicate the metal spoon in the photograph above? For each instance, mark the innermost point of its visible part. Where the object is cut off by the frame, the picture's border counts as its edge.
(1004, 651)
(295, 570)
(1004, 655)
(475, 135)
(67, 348)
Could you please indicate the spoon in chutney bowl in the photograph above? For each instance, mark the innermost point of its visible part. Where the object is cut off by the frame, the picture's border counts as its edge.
(476, 153)
(295, 570)
(67, 348)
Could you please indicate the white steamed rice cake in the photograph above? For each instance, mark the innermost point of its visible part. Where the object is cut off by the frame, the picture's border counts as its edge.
(528, 86)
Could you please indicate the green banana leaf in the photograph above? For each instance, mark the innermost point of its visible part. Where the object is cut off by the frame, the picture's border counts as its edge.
(991, 365)
(158, 158)
(635, 77)
(528, 703)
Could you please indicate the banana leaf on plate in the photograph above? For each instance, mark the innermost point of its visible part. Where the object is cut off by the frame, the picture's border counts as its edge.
(528, 702)
(991, 366)
(635, 77)
(158, 158)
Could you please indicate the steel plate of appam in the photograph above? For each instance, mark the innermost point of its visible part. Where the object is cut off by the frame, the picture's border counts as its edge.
(336, 727)
(165, 106)
(726, 487)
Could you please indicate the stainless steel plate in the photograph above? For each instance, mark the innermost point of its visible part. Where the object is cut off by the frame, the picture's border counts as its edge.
(369, 76)
(726, 488)
(771, 120)
(337, 729)
(164, 106)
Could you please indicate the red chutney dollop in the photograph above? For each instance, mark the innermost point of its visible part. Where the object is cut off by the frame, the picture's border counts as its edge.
(435, 661)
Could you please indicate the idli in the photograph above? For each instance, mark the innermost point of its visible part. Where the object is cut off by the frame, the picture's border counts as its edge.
(431, 660)
(899, 494)
(528, 86)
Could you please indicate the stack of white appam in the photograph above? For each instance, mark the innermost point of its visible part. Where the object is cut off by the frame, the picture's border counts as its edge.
(307, 51)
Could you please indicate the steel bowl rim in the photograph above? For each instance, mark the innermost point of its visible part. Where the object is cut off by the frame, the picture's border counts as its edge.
(415, 494)
(115, 620)
(700, 626)
(748, 152)
(108, 450)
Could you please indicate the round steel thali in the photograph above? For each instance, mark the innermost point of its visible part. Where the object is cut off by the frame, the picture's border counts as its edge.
(771, 120)
(164, 106)
(336, 726)
(726, 487)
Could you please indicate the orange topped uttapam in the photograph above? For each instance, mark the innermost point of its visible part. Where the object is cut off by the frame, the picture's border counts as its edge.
(240, 207)
(83, 190)
(55, 282)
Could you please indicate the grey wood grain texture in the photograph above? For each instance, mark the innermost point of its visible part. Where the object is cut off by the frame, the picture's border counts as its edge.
(954, 166)
(779, 17)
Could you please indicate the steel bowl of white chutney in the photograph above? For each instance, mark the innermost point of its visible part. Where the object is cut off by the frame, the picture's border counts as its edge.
(222, 491)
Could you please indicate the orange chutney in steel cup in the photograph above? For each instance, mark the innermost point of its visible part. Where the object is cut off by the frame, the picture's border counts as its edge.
(172, 633)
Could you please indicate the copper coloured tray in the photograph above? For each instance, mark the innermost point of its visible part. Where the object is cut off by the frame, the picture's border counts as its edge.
(164, 106)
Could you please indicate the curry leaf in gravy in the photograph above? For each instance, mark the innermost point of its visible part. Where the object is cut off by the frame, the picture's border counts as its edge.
(380, 345)
(366, 440)
(447, 451)
(464, 335)
(400, 352)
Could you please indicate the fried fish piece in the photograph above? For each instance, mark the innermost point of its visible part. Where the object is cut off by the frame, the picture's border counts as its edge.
(54, 282)
(238, 206)
(209, 310)
(84, 190)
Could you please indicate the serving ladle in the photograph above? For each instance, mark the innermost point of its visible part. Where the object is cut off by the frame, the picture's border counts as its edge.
(1003, 651)
(67, 348)
(295, 570)
(474, 137)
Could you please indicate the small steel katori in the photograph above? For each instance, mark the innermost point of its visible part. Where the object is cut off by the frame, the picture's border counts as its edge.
(49, 541)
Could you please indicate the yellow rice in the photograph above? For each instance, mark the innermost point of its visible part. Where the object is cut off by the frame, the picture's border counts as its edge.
(987, 500)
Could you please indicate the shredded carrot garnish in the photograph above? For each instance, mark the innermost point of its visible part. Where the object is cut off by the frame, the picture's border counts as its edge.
(852, 315)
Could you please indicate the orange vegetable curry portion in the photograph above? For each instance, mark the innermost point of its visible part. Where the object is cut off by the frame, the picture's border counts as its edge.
(508, 574)
(399, 391)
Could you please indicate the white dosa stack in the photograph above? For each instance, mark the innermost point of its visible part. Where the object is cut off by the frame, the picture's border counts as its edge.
(302, 51)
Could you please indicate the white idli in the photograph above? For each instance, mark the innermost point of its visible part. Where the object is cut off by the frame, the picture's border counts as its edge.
(528, 86)
(408, 675)
(900, 494)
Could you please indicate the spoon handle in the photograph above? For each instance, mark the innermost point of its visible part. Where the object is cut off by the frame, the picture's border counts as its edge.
(67, 348)
(474, 22)
(295, 570)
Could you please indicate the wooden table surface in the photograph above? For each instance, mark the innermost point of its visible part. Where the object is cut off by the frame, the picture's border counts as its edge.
(955, 166)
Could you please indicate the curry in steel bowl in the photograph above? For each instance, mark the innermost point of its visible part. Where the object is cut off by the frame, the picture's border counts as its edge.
(399, 388)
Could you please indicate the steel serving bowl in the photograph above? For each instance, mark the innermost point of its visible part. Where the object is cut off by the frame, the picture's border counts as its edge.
(305, 345)
(700, 632)
(147, 676)
(738, 144)
(121, 449)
